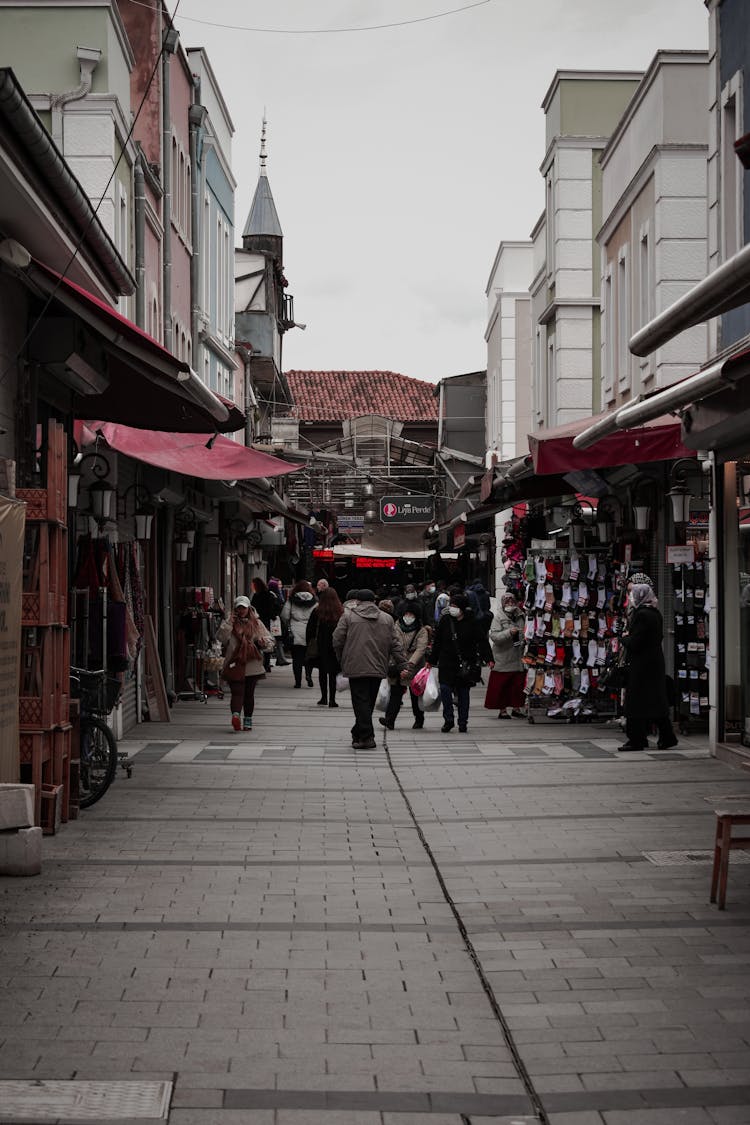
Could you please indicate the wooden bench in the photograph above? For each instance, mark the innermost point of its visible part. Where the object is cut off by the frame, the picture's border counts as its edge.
(732, 812)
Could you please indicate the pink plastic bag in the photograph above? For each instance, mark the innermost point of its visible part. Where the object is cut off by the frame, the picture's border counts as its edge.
(419, 682)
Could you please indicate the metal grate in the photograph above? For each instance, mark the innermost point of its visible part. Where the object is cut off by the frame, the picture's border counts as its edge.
(685, 859)
(83, 1101)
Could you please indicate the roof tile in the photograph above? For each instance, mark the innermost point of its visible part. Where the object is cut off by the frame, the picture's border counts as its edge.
(327, 396)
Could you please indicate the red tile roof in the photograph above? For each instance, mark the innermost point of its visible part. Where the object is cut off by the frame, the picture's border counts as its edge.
(327, 396)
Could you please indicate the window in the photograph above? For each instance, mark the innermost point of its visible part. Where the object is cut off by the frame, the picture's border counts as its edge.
(551, 395)
(550, 223)
(206, 305)
(539, 374)
(608, 332)
(645, 293)
(731, 172)
(623, 318)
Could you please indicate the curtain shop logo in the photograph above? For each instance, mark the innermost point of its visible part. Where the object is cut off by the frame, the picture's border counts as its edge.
(406, 509)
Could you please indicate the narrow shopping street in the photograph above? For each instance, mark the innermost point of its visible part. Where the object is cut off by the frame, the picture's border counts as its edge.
(254, 918)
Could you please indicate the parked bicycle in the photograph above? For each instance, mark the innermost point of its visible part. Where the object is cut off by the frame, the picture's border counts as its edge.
(98, 694)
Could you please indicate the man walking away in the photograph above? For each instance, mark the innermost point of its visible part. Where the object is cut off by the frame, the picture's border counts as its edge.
(366, 643)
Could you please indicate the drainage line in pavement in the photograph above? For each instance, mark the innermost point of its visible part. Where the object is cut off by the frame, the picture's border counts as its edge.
(518, 1062)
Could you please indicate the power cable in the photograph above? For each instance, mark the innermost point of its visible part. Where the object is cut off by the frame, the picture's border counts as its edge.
(328, 30)
(11, 366)
(494, 1003)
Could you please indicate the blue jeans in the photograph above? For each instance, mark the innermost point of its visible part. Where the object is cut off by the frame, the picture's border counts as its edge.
(446, 696)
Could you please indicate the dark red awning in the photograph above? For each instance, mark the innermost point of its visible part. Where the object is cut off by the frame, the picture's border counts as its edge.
(552, 450)
(189, 454)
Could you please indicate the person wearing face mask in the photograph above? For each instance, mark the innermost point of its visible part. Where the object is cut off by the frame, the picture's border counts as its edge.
(646, 701)
(296, 614)
(410, 603)
(459, 647)
(505, 689)
(414, 640)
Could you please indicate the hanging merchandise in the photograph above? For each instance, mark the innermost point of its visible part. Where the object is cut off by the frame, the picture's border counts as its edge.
(691, 658)
(198, 655)
(575, 616)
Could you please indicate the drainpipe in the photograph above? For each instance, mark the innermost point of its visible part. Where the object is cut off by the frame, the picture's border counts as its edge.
(88, 60)
(244, 353)
(171, 39)
(196, 118)
(139, 182)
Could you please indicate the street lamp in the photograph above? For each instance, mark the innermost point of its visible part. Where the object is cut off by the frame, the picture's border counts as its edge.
(679, 494)
(101, 491)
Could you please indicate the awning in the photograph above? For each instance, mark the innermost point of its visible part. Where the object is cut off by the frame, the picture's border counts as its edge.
(118, 372)
(190, 454)
(553, 450)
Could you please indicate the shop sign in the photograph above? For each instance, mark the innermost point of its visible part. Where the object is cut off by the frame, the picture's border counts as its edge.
(680, 554)
(323, 554)
(12, 524)
(459, 535)
(351, 522)
(406, 509)
(375, 564)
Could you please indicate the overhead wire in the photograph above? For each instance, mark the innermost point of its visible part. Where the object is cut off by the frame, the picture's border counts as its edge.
(95, 211)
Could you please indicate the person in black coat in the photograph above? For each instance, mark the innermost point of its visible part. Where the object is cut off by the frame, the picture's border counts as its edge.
(320, 626)
(646, 679)
(266, 605)
(458, 638)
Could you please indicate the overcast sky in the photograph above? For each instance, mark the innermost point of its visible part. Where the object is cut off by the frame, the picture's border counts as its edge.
(400, 158)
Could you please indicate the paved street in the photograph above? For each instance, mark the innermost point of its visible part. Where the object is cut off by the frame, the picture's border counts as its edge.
(256, 918)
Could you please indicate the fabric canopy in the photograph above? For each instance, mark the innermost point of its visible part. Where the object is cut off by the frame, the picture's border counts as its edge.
(552, 450)
(189, 453)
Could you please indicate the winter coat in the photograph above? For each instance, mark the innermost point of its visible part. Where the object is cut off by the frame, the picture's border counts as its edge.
(410, 605)
(414, 643)
(227, 635)
(505, 651)
(366, 642)
(323, 631)
(266, 605)
(296, 614)
(646, 678)
(472, 644)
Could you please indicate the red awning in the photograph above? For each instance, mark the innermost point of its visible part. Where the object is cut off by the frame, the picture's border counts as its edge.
(141, 383)
(188, 453)
(552, 450)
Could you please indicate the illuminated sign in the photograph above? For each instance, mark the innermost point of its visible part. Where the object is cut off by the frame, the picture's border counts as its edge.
(323, 554)
(375, 564)
(406, 509)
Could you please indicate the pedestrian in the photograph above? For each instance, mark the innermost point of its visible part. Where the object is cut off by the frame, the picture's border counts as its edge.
(459, 647)
(442, 600)
(645, 674)
(386, 605)
(265, 604)
(320, 627)
(296, 613)
(414, 638)
(410, 602)
(505, 687)
(321, 585)
(274, 585)
(427, 602)
(246, 639)
(366, 645)
(479, 600)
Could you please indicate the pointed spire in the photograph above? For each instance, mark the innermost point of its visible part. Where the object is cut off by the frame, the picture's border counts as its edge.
(263, 220)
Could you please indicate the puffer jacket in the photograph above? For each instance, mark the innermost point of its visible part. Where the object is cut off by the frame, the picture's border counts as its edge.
(227, 636)
(366, 642)
(296, 614)
(414, 642)
(506, 653)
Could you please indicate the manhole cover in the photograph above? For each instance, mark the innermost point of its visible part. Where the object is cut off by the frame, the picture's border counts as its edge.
(83, 1101)
(683, 859)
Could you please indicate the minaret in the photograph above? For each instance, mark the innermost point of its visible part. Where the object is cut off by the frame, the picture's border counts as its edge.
(263, 230)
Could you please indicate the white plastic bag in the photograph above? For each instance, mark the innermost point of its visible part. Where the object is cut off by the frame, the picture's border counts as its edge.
(342, 683)
(429, 700)
(384, 694)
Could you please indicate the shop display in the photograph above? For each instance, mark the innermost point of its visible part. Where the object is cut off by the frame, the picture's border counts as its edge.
(691, 655)
(198, 657)
(574, 604)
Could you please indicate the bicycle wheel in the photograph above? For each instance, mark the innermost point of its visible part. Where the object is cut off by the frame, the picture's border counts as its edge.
(98, 761)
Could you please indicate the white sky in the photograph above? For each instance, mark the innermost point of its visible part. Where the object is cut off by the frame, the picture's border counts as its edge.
(399, 159)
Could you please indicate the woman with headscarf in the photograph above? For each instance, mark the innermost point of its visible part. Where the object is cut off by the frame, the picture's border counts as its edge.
(246, 639)
(505, 688)
(296, 614)
(414, 639)
(646, 680)
(459, 648)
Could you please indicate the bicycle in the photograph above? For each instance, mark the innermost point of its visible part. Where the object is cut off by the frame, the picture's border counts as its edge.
(98, 694)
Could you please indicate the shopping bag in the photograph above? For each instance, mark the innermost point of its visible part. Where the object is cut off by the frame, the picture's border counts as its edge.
(384, 694)
(342, 682)
(419, 682)
(275, 626)
(429, 700)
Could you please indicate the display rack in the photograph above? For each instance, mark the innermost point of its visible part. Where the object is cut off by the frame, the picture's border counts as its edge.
(691, 647)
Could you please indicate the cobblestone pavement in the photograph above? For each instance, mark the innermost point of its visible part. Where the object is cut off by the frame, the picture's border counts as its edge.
(254, 918)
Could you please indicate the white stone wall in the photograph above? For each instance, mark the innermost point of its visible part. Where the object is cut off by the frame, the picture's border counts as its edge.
(571, 268)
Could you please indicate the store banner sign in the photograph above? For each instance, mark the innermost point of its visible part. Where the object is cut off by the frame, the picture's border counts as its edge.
(406, 509)
(350, 523)
(680, 555)
(12, 527)
(459, 535)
